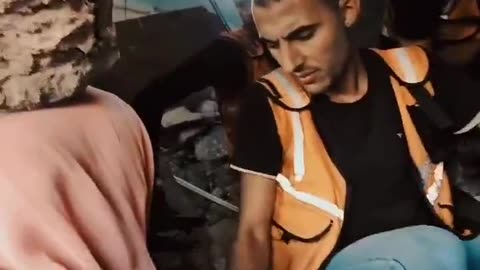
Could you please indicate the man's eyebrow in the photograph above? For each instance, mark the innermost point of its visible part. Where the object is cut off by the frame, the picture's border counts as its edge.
(293, 34)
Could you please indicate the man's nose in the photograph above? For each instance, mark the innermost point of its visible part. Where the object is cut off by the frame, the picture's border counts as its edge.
(290, 58)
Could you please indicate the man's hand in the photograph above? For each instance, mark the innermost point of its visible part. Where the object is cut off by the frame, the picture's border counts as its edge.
(253, 246)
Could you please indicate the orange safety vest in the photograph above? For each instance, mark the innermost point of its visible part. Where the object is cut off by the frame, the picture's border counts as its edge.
(311, 192)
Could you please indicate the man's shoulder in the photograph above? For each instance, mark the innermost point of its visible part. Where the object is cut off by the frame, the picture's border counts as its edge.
(257, 143)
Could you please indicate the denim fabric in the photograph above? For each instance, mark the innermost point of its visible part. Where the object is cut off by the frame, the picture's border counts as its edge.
(411, 248)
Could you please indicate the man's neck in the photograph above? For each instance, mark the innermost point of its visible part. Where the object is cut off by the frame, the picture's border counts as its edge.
(353, 84)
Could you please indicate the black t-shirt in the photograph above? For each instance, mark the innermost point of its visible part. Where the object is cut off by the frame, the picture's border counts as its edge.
(364, 137)
(366, 142)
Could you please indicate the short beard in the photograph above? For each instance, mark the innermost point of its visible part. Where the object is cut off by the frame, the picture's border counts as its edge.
(350, 57)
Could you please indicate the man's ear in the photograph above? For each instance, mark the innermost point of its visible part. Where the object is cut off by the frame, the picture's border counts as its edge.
(351, 10)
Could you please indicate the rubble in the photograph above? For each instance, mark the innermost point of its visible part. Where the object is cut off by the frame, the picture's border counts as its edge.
(212, 147)
(201, 159)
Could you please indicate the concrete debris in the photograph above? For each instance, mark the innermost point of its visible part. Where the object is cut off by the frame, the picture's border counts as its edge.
(179, 115)
(213, 146)
(209, 186)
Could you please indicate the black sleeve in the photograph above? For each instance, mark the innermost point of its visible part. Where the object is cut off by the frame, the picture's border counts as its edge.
(456, 92)
(257, 145)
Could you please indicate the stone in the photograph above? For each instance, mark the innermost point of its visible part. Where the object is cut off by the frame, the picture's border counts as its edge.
(222, 235)
(205, 165)
(209, 109)
(179, 115)
(223, 176)
(212, 146)
(184, 136)
(178, 198)
(194, 101)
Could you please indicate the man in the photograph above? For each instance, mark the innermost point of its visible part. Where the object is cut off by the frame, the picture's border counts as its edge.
(76, 173)
(341, 169)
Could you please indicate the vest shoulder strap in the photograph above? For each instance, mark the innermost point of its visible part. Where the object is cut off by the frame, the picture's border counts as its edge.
(409, 65)
(285, 91)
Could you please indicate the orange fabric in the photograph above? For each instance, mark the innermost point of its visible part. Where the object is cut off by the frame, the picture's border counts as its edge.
(420, 156)
(296, 217)
(75, 185)
(322, 178)
(278, 78)
(411, 74)
(404, 98)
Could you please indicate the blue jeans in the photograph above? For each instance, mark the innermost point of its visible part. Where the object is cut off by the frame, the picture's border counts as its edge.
(411, 248)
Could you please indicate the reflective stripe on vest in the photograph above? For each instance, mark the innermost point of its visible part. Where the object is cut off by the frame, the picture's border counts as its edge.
(310, 199)
(408, 72)
(433, 191)
(299, 162)
(299, 155)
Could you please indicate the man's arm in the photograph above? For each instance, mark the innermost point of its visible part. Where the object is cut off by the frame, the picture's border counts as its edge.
(258, 156)
(252, 247)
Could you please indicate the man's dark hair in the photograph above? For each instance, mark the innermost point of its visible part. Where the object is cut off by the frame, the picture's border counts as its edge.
(415, 19)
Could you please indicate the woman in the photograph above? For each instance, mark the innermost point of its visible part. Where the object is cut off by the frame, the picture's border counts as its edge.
(76, 169)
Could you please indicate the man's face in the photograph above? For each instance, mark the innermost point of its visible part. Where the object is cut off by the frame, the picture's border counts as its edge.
(307, 38)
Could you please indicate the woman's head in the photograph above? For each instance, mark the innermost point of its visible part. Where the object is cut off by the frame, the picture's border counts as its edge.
(50, 49)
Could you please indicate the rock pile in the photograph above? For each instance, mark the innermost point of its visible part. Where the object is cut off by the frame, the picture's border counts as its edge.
(200, 157)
